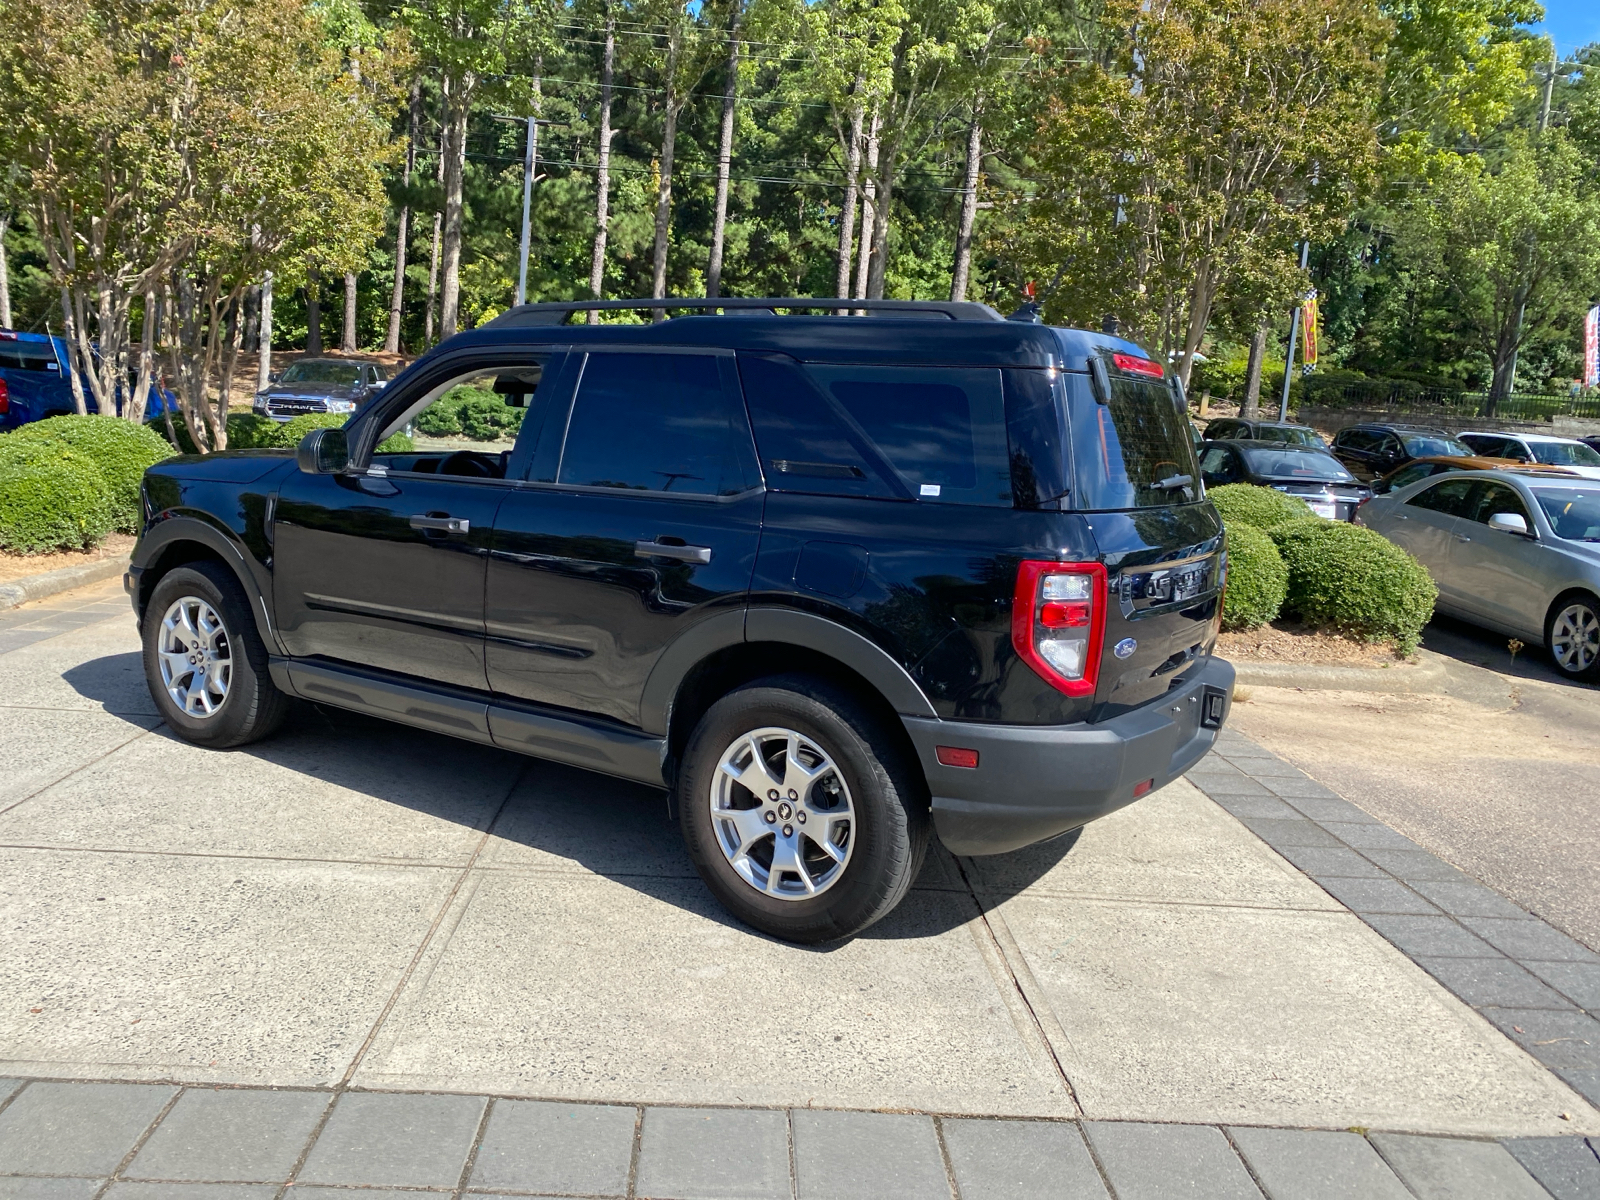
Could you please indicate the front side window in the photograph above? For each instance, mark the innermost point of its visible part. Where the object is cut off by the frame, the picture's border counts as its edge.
(1450, 497)
(656, 423)
(1406, 476)
(1495, 498)
(1218, 466)
(468, 424)
(941, 429)
(1565, 454)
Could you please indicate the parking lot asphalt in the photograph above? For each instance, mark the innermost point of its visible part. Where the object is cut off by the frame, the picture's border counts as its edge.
(358, 908)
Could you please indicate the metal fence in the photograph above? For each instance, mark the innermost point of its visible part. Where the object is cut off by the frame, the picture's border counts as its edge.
(1412, 398)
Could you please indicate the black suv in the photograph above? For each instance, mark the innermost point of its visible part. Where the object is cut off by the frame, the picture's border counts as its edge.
(834, 581)
(1372, 451)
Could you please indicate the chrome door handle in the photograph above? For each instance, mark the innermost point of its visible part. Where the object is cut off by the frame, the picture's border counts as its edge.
(1461, 537)
(441, 524)
(693, 554)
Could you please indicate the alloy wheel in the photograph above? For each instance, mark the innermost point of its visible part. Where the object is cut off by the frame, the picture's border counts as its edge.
(195, 656)
(782, 813)
(1575, 638)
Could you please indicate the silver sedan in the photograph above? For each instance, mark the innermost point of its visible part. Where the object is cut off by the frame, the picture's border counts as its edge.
(1514, 552)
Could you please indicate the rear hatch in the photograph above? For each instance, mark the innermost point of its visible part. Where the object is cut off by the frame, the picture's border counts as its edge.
(1137, 483)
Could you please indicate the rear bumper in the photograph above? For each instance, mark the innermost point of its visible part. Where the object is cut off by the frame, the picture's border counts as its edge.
(1033, 782)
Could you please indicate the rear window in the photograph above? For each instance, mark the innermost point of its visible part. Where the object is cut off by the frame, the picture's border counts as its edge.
(25, 360)
(1124, 451)
(1288, 464)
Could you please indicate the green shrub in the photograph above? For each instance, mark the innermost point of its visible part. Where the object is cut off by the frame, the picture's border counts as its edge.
(1258, 580)
(52, 498)
(246, 431)
(292, 433)
(1263, 507)
(121, 449)
(1350, 579)
(471, 412)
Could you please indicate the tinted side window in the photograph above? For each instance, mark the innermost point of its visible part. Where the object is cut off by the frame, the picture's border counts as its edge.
(807, 443)
(943, 429)
(1406, 476)
(655, 422)
(1356, 439)
(1498, 498)
(1218, 466)
(1449, 497)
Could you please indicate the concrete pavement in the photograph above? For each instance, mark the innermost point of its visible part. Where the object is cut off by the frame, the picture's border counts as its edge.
(357, 908)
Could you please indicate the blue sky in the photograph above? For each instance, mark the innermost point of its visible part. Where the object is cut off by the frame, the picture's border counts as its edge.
(1573, 23)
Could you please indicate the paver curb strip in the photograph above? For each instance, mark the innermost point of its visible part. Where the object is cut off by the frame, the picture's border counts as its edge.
(38, 587)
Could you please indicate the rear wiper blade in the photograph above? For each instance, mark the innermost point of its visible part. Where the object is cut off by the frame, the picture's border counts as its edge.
(1173, 482)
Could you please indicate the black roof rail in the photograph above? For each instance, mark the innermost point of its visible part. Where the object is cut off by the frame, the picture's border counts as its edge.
(558, 312)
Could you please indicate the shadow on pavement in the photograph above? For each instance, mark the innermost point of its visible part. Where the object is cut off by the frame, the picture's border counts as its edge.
(1478, 647)
(554, 815)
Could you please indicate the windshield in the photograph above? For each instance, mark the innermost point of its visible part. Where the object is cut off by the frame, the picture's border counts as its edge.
(1124, 451)
(1574, 513)
(1292, 435)
(1564, 454)
(1426, 447)
(1292, 464)
(342, 374)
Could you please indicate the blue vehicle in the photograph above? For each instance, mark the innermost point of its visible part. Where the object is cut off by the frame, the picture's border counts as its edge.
(35, 383)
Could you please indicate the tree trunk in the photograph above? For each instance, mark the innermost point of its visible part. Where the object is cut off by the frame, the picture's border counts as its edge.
(669, 139)
(602, 181)
(969, 203)
(719, 221)
(5, 277)
(869, 212)
(847, 210)
(397, 298)
(135, 409)
(1201, 294)
(455, 165)
(264, 362)
(1250, 410)
(69, 334)
(879, 267)
(313, 312)
(347, 339)
(438, 220)
(235, 344)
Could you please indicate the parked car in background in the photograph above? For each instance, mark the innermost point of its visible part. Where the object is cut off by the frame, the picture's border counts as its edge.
(1592, 442)
(321, 385)
(838, 583)
(1544, 448)
(1372, 451)
(35, 381)
(1315, 476)
(1238, 429)
(1514, 551)
(1424, 468)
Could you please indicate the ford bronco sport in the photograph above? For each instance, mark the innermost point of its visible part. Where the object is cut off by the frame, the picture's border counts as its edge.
(837, 582)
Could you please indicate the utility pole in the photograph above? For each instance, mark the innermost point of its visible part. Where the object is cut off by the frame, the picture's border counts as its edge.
(1551, 71)
(1294, 331)
(530, 160)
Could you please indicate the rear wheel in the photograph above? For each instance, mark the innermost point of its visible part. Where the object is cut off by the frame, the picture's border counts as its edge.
(204, 661)
(799, 811)
(1572, 632)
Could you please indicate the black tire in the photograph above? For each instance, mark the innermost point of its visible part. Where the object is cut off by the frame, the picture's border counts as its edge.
(1575, 666)
(887, 835)
(252, 706)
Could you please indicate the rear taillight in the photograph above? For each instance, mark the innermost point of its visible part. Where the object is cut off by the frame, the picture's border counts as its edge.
(1058, 622)
(5, 398)
(1135, 365)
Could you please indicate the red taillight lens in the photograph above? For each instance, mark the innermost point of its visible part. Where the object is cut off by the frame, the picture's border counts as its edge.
(955, 756)
(1137, 366)
(1058, 622)
(5, 398)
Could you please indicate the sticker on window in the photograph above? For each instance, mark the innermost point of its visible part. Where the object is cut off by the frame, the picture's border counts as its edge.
(930, 489)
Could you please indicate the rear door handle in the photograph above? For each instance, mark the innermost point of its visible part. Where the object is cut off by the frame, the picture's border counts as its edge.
(693, 554)
(1461, 537)
(441, 524)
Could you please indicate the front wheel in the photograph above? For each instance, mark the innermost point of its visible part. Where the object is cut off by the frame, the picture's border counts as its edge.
(1572, 632)
(800, 811)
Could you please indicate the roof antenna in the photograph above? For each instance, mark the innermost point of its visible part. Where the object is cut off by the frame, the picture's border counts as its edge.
(1029, 311)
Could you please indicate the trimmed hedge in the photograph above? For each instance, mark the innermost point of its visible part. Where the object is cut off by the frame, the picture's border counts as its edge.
(1351, 579)
(292, 433)
(1263, 507)
(1258, 580)
(121, 449)
(246, 431)
(51, 498)
(475, 413)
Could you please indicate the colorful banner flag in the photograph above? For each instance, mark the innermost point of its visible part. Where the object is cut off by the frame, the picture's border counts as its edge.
(1591, 348)
(1308, 333)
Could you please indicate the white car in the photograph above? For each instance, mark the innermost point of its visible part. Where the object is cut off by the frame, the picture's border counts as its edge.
(1513, 551)
(1538, 448)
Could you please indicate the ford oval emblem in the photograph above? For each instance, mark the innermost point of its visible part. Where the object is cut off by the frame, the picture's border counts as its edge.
(1125, 647)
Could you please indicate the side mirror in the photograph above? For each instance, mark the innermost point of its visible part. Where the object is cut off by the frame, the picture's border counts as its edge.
(274, 376)
(323, 452)
(1509, 523)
